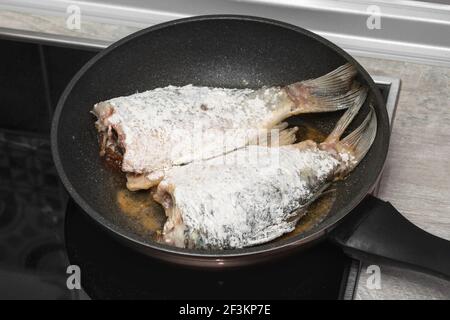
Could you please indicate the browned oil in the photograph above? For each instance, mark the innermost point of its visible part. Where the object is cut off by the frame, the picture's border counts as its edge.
(113, 160)
(147, 217)
(307, 131)
(315, 214)
(320, 208)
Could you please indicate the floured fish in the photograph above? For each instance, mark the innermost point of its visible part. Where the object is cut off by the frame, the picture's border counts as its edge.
(154, 130)
(221, 204)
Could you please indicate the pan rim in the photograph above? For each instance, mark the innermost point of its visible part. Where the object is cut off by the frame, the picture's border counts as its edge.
(296, 240)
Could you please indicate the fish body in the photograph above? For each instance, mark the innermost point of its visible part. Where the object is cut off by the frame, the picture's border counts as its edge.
(243, 203)
(155, 130)
(164, 119)
(256, 194)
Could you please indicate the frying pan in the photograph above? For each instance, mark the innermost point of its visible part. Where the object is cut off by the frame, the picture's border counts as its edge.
(230, 51)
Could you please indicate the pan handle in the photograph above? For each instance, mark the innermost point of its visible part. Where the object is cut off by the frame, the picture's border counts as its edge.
(376, 232)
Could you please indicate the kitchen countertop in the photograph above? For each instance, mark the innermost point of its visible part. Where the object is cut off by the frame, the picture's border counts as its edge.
(415, 179)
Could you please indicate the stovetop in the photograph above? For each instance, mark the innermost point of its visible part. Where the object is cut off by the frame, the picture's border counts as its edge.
(42, 232)
(112, 271)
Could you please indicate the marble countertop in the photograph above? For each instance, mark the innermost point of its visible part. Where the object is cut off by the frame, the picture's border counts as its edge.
(416, 177)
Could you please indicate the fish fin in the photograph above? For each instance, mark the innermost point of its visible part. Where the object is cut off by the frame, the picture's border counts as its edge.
(281, 126)
(347, 117)
(360, 140)
(333, 91)
(143, 181)
(285, 137)
(280, 135)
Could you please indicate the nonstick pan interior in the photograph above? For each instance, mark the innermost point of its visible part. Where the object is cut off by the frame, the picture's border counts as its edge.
(218, 51)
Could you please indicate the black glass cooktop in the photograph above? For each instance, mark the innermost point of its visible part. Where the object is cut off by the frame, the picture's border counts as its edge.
(42, 232)
(110, 270)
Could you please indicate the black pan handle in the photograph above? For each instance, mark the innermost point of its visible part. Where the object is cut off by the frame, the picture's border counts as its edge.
(376, 232)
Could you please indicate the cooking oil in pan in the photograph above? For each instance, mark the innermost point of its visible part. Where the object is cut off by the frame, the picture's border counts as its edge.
(320, 208)
(145, 214)
(146, 217)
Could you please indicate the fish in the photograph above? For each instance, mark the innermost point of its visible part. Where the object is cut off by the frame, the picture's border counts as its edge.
(148, 133)
(222, 203)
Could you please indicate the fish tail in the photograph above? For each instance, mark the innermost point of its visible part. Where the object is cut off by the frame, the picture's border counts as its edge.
(347, 117)
(351, 149)
(333, 91)
(360, 140)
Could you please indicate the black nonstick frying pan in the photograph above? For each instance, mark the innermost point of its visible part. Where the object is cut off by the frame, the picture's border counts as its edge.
(230, 51)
